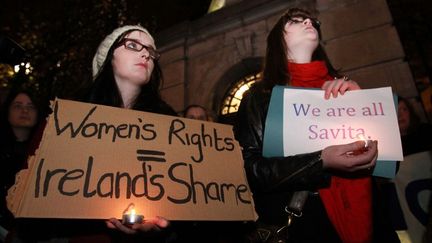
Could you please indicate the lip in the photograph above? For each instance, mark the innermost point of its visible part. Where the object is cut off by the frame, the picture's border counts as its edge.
(144, 65)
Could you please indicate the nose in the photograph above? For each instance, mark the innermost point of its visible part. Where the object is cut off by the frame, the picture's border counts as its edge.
(27, 109)
(307, 21)
(146, 56)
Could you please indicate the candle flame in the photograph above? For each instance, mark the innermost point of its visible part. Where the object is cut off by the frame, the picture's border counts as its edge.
(130, 209)
(132, 215)
(362, 137)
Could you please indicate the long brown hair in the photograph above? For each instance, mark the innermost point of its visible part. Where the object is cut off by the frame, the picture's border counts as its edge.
(275, 63)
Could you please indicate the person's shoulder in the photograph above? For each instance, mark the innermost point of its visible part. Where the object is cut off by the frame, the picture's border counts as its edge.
(166, 109)
(258, 91)
(257, 98)
(425, 128)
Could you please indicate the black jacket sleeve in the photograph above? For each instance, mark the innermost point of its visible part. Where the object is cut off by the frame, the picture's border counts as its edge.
(267, 175)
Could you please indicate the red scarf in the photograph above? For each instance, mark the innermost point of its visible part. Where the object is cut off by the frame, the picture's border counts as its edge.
(348, 201)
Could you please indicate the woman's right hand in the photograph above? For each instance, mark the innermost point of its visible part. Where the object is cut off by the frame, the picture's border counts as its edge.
(338, 86)
(341, 157)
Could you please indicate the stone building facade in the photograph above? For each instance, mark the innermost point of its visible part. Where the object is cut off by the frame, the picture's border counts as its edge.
(202, 59)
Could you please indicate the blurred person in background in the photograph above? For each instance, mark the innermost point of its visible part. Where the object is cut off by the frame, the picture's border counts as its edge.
(416, 135)
(196, 112)
(19, 119)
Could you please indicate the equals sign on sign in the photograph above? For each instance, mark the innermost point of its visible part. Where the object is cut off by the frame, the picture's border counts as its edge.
(150, 155)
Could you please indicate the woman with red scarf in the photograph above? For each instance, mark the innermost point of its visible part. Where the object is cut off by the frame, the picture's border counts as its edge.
(339, 204)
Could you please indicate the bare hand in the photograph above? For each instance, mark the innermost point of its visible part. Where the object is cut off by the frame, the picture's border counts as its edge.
(339, 157)
(153, 224)
(340, 85)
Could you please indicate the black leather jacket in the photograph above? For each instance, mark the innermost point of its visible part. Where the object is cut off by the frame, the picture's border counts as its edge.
(272, 180)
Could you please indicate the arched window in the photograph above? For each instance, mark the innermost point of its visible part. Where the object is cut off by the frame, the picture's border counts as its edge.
(234, 95)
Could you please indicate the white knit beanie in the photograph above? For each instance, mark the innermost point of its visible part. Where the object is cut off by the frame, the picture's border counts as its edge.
(105, 45)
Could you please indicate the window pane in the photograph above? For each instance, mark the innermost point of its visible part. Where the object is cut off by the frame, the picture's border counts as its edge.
(233, 98)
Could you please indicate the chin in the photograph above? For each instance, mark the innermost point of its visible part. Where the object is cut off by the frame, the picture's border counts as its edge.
(140, 81)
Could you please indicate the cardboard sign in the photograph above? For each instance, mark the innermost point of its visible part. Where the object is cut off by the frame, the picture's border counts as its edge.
(96, 161)
(309, 123)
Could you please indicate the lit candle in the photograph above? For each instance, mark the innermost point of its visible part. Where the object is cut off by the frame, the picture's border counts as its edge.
(361, 150)
(362, 137)
(132, 218)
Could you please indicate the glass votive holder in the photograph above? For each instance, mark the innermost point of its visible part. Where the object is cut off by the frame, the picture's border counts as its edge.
(129, 219)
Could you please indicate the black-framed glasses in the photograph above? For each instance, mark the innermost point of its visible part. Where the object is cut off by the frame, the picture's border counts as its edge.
(301, 18)
(134, 45)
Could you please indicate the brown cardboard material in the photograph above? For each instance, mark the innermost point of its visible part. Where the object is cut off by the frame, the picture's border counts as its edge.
(95, 161)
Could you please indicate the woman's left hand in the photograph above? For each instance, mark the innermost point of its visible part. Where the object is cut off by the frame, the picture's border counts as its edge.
(153, 224)
(340, 85)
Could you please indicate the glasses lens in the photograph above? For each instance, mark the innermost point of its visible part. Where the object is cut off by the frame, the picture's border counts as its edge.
(300, 18)
(133, 45)
(296, 20)
(154, 54)
(316, 23)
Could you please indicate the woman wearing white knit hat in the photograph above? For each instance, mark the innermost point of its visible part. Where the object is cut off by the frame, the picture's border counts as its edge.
(126, 74)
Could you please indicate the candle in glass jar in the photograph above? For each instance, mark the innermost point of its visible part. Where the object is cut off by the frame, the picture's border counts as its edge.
(132, 218)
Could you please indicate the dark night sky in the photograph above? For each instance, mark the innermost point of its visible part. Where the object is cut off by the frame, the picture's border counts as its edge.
(164, 13)
(60, 36)
(169, 12)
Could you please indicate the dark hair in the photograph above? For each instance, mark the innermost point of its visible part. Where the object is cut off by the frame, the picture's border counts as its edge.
(275, 63)
(104, 89)
(6, 131)
(186, 110)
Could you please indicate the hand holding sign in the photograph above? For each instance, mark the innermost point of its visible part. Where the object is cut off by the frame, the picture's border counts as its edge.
(338, 85)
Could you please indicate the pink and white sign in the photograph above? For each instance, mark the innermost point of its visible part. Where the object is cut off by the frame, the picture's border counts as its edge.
(312, 123)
